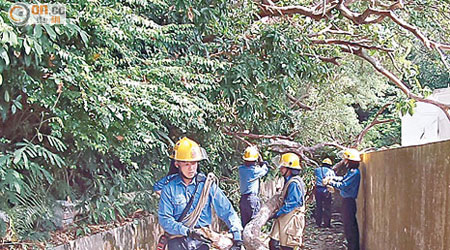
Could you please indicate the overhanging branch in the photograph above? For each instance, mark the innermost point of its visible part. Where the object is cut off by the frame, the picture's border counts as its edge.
(379, 67)
(375, 121)
(296, 102)
(360, 43)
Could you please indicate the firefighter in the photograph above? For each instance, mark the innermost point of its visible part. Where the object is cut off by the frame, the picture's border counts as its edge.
(249, 174)
(349, 186)
(323, 195)
(287, 230)
(185, 207)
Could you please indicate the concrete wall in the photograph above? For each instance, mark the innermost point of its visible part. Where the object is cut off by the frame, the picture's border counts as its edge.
(142, 235)
(404, 198)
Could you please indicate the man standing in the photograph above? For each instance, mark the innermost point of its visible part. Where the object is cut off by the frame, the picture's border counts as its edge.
(287, 230)
(188, 199)
(249, 174)
(349, 186)
(323, 195)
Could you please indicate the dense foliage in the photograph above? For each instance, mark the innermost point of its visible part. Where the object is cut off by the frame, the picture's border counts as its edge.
(90, 109)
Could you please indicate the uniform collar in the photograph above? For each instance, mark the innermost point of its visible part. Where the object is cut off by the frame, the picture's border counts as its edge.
(180, 181)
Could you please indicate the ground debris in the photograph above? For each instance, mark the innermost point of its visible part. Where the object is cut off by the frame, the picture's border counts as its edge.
(322, 238)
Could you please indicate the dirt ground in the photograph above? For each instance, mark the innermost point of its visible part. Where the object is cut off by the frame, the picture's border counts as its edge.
(319, 238)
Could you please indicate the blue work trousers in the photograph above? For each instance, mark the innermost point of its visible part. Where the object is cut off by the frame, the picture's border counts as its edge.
(250, 206)
(323, 206)
(350, 223)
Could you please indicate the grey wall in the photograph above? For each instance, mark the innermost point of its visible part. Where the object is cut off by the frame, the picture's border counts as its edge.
(404, 198)
(142, 235)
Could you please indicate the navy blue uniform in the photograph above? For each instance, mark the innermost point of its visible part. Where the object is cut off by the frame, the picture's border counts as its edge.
(250, 203)
(175, 197)
(349, 186)
(323, 196)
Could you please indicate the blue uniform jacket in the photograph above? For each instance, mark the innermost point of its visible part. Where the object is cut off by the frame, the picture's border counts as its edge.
(294, 197)
(321, 173)
(249, 178)
(349, 184)
(174, 198)
(158, 186)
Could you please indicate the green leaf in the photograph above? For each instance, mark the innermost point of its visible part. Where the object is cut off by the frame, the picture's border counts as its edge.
(48, 176)
(84, 37)
(50, 31)
(17, 104)
(18, 155)
(13, 38)
(13, 109)
(4, 55)
(37, 30)
(27, 60)
(119, 115)
(38, 49)
(27, 46)
(25, 161)
(6, 96)
(411, 111)
(5, 37)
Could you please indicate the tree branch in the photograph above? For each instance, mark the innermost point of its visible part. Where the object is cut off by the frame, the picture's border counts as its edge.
(333, 31)
(273, 10)
(332, 60)
(256, 136)
(377, 65)
(228, 132)
(362, 19)
(360, 43)
(375, 121)
(298, 103)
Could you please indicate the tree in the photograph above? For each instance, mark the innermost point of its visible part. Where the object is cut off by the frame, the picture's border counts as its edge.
(91, 109)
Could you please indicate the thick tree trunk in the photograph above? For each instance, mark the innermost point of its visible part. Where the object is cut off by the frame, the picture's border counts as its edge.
(252, 230)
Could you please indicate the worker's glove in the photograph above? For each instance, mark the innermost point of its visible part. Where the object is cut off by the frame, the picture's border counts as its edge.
(326, 180)
(237, 245)
(195, 234)
(262, 163)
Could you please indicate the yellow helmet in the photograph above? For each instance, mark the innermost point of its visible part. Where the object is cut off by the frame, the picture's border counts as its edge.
(290, 160)
(251, 154)
(351, 154)
(188, 150)
(327, 161)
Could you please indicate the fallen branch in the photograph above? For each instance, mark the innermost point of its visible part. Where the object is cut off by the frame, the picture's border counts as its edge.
(252, 231)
